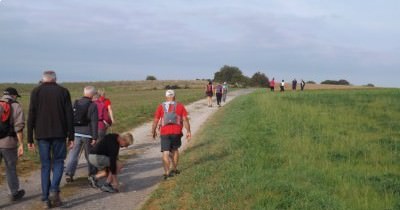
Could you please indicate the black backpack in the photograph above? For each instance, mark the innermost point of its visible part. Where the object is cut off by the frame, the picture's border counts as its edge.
(6, 128)
(81, 110)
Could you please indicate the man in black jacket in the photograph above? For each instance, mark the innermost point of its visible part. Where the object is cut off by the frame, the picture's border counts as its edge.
(86, 127)
(51, 119)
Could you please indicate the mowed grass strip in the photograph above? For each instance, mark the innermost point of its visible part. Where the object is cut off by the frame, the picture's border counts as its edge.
(303, 150)
(132, 104)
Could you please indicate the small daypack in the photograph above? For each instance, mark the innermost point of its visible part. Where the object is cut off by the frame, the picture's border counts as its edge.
(6, 129)
(170, 118)
(81, 110)
(103, 115)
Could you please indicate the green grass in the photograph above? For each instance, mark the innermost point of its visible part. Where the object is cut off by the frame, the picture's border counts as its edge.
(133, 103)
(303, 150)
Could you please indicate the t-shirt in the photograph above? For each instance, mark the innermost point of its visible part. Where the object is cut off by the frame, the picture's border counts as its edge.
(171, 129)
(109, 147)
(106, 101)
(218, 89)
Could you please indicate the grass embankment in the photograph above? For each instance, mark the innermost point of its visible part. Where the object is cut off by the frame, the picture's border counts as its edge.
(303, 150)
(133, 103)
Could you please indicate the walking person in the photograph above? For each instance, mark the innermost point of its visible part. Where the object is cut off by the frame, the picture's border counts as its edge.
(12, 124)
(272, 84)
(173, 117)
(104, 156)
(86, 128)
(209, 93)
(51, 120)
(104, 119)
(107, 103)
(218, 93)
(282, 86)
(302, 85)
(224, 91)
(294, 84)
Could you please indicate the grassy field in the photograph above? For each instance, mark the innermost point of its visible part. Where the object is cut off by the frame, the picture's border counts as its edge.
(325, 149)
(133, 103)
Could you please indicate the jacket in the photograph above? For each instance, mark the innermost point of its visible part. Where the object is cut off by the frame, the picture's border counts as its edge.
(50, 113)
(17, 120)
(92, 115)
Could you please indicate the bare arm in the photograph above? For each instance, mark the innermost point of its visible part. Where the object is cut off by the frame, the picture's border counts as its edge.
(187, 127)
(154, 128)
(111, 114)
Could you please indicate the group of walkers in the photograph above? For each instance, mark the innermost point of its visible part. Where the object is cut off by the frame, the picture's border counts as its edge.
(282, 85)
(220, 91)
(57, 124)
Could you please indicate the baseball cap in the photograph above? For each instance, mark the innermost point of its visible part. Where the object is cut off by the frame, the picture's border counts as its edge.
(170, 93)
(11, 91)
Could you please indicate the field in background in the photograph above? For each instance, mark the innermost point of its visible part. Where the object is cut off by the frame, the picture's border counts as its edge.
(133, 103)
(305, 150)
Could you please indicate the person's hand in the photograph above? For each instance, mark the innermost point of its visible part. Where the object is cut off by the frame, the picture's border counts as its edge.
(189, 136)
(31, 147)
(93, 142)
(70, 144)
(154, 134)
(20, 150)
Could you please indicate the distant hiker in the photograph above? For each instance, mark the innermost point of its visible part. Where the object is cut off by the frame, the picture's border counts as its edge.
(51, 118)
(209, 93)
(282, 86)
(12, 124)
(104, 156)
(224, 91)
(86, 128)
(302, 85)
(272, 84)
(104, 119)
(174, 117)
(219, 90)
(294, 84)
(107, 103)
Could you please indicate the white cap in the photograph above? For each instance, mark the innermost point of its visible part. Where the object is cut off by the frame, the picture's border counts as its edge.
(170, 93)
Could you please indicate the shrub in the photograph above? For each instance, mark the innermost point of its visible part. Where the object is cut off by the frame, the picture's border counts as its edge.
(151, 77)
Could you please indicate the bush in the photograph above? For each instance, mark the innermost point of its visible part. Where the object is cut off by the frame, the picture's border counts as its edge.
(370, 85)
(259, 80)
(334, 82)
(311, 82)
(232, 75)
(151, 77)
(169, 87)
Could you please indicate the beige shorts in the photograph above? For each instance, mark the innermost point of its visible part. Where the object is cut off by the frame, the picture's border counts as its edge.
(99, 161)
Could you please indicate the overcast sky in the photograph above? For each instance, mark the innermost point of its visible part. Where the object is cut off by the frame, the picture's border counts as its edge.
(94, 40)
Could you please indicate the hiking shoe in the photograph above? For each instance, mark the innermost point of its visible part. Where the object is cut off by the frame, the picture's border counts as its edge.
(69, 178)
(17, 196)
(175, 172)
(166, 176)
(108, 188)
(46, 205)
(54, 199)
(93, 182)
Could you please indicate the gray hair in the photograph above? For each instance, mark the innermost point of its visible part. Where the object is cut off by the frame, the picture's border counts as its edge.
(49, 76)
(89, 91)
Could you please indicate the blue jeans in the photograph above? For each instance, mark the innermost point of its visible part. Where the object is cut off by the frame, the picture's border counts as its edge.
(52, 155)
(73, 157)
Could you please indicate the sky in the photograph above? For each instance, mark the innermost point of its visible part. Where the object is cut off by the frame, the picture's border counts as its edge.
(94, 40)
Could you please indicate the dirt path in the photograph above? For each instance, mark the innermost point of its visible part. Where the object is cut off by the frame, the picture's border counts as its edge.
(141, 175)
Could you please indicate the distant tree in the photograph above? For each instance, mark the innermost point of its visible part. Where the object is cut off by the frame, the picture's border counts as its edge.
(311, 82)
(370, 85)
(151, 77)
(259, 80)
(230, 74)
(334, 82)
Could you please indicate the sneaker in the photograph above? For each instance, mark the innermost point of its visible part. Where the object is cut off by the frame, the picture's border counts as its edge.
(108, 188)
(166, 176)
(55, 200)
(17, 196)
(93, 182)
(69, 178)
(175, 172)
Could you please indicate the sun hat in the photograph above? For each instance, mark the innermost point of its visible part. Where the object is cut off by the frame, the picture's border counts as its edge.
(11, 91)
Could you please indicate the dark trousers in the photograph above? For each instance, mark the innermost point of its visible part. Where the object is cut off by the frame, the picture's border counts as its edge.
(282, 88)
(219, 97)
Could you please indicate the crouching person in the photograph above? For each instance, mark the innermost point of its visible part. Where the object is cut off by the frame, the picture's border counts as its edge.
(104, 156)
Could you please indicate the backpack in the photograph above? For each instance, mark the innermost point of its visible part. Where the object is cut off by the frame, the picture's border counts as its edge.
(219, 89)
(81, 113)
(103, 114)
(209, 88)
(170, 118)
(6, 128)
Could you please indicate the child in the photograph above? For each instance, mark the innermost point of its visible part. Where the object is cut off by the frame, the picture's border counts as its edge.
(104, 156)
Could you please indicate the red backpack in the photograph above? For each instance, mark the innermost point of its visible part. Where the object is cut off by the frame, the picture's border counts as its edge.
(6, 129)
(103, 115)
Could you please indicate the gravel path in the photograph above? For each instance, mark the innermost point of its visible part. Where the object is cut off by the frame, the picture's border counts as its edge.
(141, 175)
